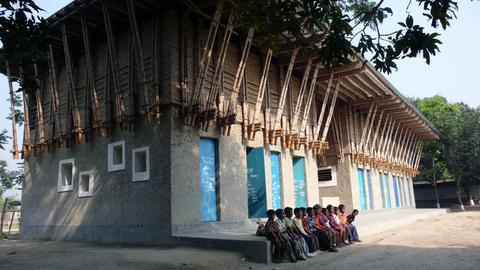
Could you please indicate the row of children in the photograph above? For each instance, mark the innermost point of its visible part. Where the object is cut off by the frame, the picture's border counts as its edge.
(301, 233)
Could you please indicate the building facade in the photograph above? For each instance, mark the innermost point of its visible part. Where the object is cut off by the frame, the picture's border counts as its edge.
(159, 120)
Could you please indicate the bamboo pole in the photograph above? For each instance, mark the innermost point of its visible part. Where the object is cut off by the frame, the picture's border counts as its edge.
(316, 130)
(14, 150)
(139, 59)
(204, 64)
(389, 141)
(303, 85)
(209, 110)
(370, 128)
(26, 148)
(77, 130)
(284, 91)
(120, 110)
(365, 126)
(98, 123)
(232, 103)
(262, 86)
(308, 104)
(330, 113)
(375, 135)
(40, 130)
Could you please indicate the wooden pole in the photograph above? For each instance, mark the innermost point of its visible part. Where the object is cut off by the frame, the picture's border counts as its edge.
(77, 129)
(11, 222)
(322, 110)
(209, 110)
(2, 217)
(308, 104)
(303, 85)
(232, 104)
(330, 112)
(377, 129)
(120, 110)
(262, 86)
(58, 132)
(97, 122)
(204, 64)
(284, 91)
(370, 128)
(14, 150)
(139, 59)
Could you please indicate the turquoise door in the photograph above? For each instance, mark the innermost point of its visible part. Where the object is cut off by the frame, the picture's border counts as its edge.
(395, 191)
(361, 188)
(382, 188)
(208, 179)
(299, 182)
(369, 186)
(257, 196)
(276, 180)
(387, 190)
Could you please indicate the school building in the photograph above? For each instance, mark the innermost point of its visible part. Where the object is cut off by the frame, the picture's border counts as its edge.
(162, 119)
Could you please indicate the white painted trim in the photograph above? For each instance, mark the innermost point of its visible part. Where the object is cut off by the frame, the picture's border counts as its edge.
(331, 183)
(60, 186)
(91, 178)
(141, 176)
(116, 167)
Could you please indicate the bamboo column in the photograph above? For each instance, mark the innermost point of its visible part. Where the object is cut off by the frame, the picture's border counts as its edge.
(14, 150)
(77, 129)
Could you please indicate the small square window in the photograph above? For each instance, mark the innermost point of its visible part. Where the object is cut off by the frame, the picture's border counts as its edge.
(66, 174)
(85, 184)
(141, 164)
(116, 156)
(327, 176)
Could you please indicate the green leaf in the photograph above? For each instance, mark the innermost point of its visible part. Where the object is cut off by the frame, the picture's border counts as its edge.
(409, 21)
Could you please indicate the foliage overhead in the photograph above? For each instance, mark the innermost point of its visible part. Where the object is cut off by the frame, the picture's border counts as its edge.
(348, 27)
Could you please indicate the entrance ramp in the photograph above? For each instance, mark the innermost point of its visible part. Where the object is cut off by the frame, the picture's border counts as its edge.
(370, 222)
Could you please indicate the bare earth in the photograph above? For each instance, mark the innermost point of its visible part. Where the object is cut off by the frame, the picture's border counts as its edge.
(449, 241)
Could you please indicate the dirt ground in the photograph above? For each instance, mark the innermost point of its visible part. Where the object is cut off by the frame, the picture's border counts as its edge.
(449, 241)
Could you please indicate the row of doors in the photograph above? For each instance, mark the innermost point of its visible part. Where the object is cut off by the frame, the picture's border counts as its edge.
(256, 185)
(401, 190)
(257, 195)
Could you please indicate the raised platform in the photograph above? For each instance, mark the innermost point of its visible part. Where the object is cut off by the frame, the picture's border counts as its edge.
(258, 249)
(255, 248)
(374, 221)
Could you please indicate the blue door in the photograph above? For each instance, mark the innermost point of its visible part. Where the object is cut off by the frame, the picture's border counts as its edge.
(369, 186)
(395, 191)
(276, 180)
(208, 179)
(382, 188)
(257, 196)
(299, 182)
(387, 190)
(361, 188)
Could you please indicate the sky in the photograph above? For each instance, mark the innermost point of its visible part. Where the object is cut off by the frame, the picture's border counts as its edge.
(452, 73)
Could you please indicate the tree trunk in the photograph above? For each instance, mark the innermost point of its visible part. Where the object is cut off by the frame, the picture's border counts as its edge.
(459, 191)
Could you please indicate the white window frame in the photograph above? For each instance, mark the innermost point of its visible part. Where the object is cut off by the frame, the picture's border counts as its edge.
(331, 183)
(91, 178)
(141, 176)
(61, 187)
(116, 167)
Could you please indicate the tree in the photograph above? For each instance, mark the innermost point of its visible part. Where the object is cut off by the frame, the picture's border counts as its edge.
(347, 28)
(458, 151)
